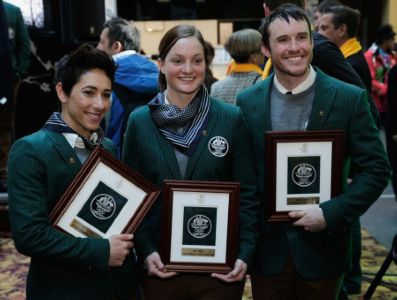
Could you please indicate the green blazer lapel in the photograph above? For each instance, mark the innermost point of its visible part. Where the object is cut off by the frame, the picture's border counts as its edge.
(203, 144)
(64, 150)
(263, 111)
(165, 148)
(322, 102)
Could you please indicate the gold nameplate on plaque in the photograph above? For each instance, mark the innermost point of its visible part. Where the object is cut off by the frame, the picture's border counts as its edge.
(198, 252)
(302, 201)
(83, 229)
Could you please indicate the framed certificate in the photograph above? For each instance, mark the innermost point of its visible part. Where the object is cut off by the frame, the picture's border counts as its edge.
(105, 198)
(200, 226)
(302, 170)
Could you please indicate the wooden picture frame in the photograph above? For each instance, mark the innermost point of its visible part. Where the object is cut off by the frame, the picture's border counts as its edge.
(302, 170)
(200, 226)
(105, 198)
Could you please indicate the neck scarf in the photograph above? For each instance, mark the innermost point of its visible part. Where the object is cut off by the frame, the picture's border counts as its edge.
(244, 68)
(181, 127)
(266, 70)
(386, 58)
(56, 124)
(350, 47)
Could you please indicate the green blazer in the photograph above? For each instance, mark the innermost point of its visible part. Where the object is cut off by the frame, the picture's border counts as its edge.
(336, 105)
(149, 153)
(19, 40)
(40, 168)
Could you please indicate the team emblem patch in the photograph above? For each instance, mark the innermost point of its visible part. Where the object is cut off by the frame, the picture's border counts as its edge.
(218, 146)
(304, 175)
(199, 226)
(103, 206)
(11, 33)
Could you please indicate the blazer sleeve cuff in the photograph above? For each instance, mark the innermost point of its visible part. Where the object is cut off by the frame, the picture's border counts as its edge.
(333, 216)
(246, 254)
(100, 256)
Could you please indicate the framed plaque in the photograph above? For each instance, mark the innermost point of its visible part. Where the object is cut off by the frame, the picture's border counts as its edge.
(302, 170)
(200, 226)
(105, 198)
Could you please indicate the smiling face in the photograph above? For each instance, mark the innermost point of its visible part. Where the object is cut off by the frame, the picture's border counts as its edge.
(84, 108)
(184, 69)
(290, 48)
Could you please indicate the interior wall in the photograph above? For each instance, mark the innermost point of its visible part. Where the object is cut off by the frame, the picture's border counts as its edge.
(390, 13)
(153, 31)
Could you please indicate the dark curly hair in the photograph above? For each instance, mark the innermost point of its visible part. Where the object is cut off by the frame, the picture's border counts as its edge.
(69, 69)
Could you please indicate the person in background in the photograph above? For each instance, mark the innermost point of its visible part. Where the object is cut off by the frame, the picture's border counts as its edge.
(380, 58)
(340, 25)
(244, 46)
(19, 46)
(184, 134)
(209, 76)
(391, 125)
(5, 97)
(319, 10)
(307, 257)
(5, 61)
(135, 79)
(19, 40)
(41, 167)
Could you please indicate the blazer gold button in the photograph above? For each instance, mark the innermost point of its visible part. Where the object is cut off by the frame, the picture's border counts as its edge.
(72, 160)
(321, 114)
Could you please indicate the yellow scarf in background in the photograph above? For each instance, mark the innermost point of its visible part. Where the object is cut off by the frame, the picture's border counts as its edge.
(266, 70)
(242, 68)
(350, 47)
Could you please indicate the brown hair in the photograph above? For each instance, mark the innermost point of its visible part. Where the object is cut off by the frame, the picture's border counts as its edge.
(171, 37)
(243, 43)
(284, 12)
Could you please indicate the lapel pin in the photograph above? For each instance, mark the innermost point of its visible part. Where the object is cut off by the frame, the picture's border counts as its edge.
(204, 132)
(71, 160)
(321, 114)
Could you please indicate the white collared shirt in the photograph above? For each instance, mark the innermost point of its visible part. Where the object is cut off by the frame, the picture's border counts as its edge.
(74, 140)
(308, 82)
(165, 98)
(122, 54)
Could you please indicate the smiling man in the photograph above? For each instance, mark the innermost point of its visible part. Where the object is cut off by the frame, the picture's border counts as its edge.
(305, 258)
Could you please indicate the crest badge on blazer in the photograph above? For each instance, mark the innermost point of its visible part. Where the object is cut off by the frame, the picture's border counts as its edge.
(218, 146)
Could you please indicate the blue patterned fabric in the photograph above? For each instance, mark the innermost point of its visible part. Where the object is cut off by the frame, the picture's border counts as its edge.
(56, 124)
(181, 127)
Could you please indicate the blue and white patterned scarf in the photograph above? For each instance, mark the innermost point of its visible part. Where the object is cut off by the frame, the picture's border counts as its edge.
(56, 124)
(181, 127)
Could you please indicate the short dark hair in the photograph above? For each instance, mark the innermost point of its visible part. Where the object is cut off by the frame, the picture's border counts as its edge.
(383, 33)
(125, 32)
(273, 4)
(243, 43)
(342, 14)
(171, 37)
(283, 12)
(71, 67)
(325, 4)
